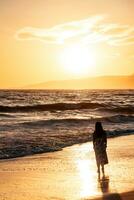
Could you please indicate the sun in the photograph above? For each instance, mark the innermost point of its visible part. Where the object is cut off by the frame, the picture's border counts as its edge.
(78, 60)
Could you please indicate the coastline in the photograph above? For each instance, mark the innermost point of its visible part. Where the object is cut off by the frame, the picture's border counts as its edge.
(19, 151)
(70, 174)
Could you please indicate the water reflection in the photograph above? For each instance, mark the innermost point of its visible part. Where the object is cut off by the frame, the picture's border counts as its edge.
(103, 184)
(92, 184)
(88, 183)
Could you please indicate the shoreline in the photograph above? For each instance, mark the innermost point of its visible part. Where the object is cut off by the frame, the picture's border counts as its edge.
(50, 149)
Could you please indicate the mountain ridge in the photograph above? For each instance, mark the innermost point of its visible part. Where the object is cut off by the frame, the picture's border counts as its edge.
(98, 82)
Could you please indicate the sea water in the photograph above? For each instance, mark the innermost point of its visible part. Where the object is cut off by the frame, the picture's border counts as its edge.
(35, 121)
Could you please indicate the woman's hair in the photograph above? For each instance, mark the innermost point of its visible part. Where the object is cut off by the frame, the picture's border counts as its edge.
(99, 129)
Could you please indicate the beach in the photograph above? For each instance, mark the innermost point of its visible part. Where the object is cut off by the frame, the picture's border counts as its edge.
(70, 174)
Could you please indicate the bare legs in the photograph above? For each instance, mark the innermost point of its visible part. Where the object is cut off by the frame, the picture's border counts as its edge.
(102, 168)
(98, 166)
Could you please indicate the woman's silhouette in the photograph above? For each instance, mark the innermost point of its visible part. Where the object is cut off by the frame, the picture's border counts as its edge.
(100, 144)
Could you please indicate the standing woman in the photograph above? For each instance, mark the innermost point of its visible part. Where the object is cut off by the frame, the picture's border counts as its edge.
(100, 144)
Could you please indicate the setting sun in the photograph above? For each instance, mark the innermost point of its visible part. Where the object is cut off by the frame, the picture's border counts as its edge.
(78, 60)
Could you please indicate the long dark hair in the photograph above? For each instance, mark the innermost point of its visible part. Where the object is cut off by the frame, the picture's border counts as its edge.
(99, 131)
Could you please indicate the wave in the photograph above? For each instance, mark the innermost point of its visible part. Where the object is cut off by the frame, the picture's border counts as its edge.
(57, 142)
(74, 121)
(50, 107)
(121, 109)
(7, 115)
(67, 106)
(119, 118)
(121, 132)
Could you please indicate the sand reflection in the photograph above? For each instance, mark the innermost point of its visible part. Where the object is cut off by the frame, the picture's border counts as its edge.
(87, 178)
(86, 171)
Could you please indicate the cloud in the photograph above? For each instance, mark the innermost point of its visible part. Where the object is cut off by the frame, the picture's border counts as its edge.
(87, 31)
(60, 33)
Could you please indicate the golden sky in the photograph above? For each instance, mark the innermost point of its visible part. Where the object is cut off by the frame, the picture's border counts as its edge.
(44, 40)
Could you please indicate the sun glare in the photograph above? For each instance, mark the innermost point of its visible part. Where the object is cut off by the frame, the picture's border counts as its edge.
(78, 60)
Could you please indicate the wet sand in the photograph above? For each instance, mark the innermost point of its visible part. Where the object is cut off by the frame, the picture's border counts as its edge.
(71, 174)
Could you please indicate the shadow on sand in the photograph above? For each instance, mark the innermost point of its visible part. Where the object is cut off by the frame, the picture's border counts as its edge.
(115, 196)
(104, 186)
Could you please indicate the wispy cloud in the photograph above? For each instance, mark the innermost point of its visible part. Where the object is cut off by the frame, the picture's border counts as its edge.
(87, 31)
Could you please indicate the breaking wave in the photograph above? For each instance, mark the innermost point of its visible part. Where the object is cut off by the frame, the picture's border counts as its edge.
(67, 106)
(73, 121)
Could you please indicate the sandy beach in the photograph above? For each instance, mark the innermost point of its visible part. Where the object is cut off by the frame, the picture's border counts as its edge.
(70, 174)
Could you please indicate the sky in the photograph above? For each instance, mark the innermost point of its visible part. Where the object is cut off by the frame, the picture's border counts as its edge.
(43, 40)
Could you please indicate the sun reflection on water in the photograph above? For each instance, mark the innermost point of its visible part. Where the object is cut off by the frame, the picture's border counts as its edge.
(87, 176)
(85, 162)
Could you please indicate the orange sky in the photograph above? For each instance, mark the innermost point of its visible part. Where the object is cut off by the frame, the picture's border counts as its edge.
(34, 34)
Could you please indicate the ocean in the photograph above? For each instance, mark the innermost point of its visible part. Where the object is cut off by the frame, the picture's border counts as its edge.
(37, 121)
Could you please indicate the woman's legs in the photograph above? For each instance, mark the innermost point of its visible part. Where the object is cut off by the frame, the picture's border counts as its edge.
(98, 166)
(102, 167)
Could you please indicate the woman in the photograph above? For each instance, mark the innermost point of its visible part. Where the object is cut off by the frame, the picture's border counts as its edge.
(100, 144)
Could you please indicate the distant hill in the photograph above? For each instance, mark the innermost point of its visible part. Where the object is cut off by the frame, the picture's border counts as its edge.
(101, 82)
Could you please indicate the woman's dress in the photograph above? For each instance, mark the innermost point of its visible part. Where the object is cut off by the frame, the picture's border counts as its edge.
(100, 144)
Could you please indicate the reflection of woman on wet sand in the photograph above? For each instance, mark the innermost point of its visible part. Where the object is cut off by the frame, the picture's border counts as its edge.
(100, 144)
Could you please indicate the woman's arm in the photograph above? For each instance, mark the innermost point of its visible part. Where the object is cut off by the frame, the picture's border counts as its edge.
(94, 139)
(105, 139)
